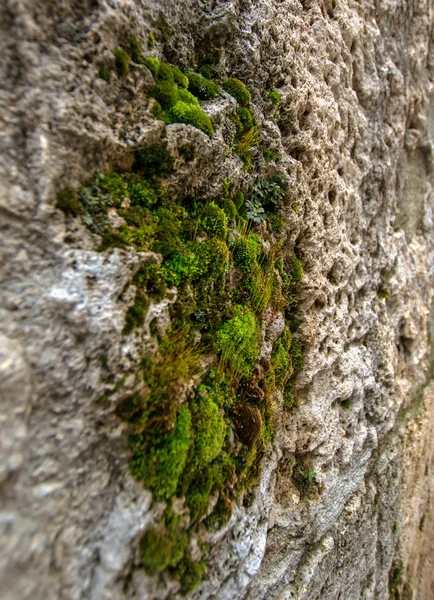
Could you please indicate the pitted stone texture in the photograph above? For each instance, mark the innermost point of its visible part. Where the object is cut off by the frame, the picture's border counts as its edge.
(355, 135)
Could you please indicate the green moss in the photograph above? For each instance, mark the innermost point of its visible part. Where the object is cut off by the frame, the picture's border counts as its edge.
(136, 313)
(245, 119)
(179, 440)
(237, 341)
(281, 360)
(191, 115)
(187, 97)
(147, 193)
(238, 90)
(211, 428)
(214, 221)
(179, 77)
(161, 548)
(155, 550)
(165, 92)
(153, 65)
(103, 73)
(395, 580)
(214, 255)
(114, 185)
(162, 466)
(269, 154)
(135, 50)
(296, 355)
(154, 160)
(383, 292)
(176, 104)
(131, 405)
(67, 201)
(221, 513)
(122, 62)
(167, 240)
(206, 72)
(229, 208)
(201, 87)
(190, 573)
(295, 268)
(276, 114)
(149, 279)
(165, 72)
(274, 96)
(151, 41)
(246, 251)
(275, 221)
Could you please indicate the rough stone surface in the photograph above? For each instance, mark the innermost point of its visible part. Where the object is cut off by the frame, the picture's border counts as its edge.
(355, 136)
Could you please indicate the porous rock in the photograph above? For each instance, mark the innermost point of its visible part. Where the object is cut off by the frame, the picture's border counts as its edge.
(354, 133)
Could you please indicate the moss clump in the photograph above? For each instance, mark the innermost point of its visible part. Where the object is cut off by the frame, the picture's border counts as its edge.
(199, 261)
(191, 115)
(162, 466)
(201, 87)
(122, 62)
(214, 255)
(221, 513)
(161, 548)
(228, 207)
(154, 160)
(114, 185)
(179, 77)
(269, 154)
(149, 279)
(103, 73)
(155, 550)
(206, 72)
(274, 96)
(211, 429)
(295, 268)
(276, 222)
(395, 580)
(246, 251)
(135, 50)
(244, 120)
(296, 355)
(175, 103)
(237, 341)
(214, 221)
(165, 92)
(128, 407)
(136, 313)
(153, 65)
(151, 41)
(67, 201)
(190, 573)
(281, 359)
(238, 90)
(180, 423)
(383, 292)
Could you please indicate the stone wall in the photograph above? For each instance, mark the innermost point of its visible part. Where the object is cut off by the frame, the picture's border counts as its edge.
(354, 136)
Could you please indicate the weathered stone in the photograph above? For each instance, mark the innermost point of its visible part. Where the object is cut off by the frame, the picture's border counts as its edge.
(354, 136)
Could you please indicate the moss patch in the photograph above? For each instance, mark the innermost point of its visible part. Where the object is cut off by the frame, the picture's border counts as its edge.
(203, 416)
